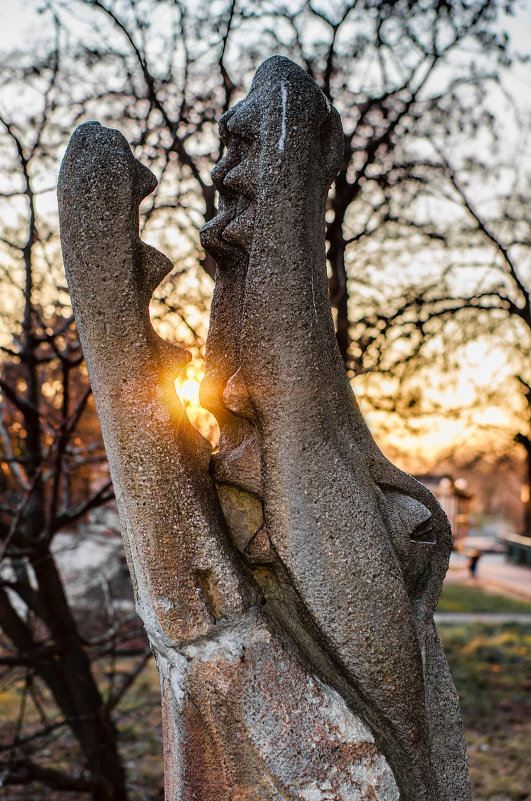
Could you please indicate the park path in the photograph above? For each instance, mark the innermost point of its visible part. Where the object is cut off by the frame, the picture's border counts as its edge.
(465, 617)
(494, 574)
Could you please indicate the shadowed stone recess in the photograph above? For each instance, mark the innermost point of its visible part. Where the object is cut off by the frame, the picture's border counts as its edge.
(288, 581)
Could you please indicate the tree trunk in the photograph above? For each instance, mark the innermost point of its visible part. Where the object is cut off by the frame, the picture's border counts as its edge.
(68, 673)
(75, 689)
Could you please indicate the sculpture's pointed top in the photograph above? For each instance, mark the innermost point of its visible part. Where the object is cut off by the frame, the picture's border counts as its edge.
(94, 144)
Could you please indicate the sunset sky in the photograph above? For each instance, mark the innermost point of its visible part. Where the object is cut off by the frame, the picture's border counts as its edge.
(482, 365)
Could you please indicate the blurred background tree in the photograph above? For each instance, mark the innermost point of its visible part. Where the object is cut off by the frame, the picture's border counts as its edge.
(427, 237)
(53, 472)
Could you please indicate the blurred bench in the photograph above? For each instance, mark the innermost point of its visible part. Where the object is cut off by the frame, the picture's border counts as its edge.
(518, 549)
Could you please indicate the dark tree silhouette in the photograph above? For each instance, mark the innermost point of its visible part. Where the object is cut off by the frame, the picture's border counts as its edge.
(53, 474)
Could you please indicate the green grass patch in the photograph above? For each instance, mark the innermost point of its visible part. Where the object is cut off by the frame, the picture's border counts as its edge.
(491, 668)
(472, 600)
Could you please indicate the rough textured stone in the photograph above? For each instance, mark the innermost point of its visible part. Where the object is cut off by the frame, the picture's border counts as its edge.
(361, 549)
(290, 600)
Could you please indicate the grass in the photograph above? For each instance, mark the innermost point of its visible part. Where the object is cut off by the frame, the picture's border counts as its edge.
(140, 731)
(491, 667)
(138, 720)
(472, 600)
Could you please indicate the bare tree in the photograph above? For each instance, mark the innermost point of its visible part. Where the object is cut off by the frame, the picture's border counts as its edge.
(53, 474)
(400, 74)
(476, 292)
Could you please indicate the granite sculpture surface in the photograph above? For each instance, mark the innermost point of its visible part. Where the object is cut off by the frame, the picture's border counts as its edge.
(288, 581)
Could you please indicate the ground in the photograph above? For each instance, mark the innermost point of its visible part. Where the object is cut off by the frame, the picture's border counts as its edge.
(491, 666)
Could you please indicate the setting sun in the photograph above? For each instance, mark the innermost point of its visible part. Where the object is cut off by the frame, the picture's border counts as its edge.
(188, 391)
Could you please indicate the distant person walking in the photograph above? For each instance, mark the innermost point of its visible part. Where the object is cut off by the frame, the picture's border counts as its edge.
(473, 559)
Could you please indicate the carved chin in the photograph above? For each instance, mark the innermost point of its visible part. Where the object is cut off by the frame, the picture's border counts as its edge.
(231, 227)
(212, 239)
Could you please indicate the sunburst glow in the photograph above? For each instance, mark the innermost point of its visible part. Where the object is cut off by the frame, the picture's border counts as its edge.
(188, 391)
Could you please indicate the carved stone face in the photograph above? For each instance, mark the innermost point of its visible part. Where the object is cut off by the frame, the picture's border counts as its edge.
(262, 144)
(349, 551)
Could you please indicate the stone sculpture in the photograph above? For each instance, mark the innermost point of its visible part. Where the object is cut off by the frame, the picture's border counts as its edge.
(288, 582)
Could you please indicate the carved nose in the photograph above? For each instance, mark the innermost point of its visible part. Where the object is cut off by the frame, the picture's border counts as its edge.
(245, 122)
(414, 518)
(147, 182)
